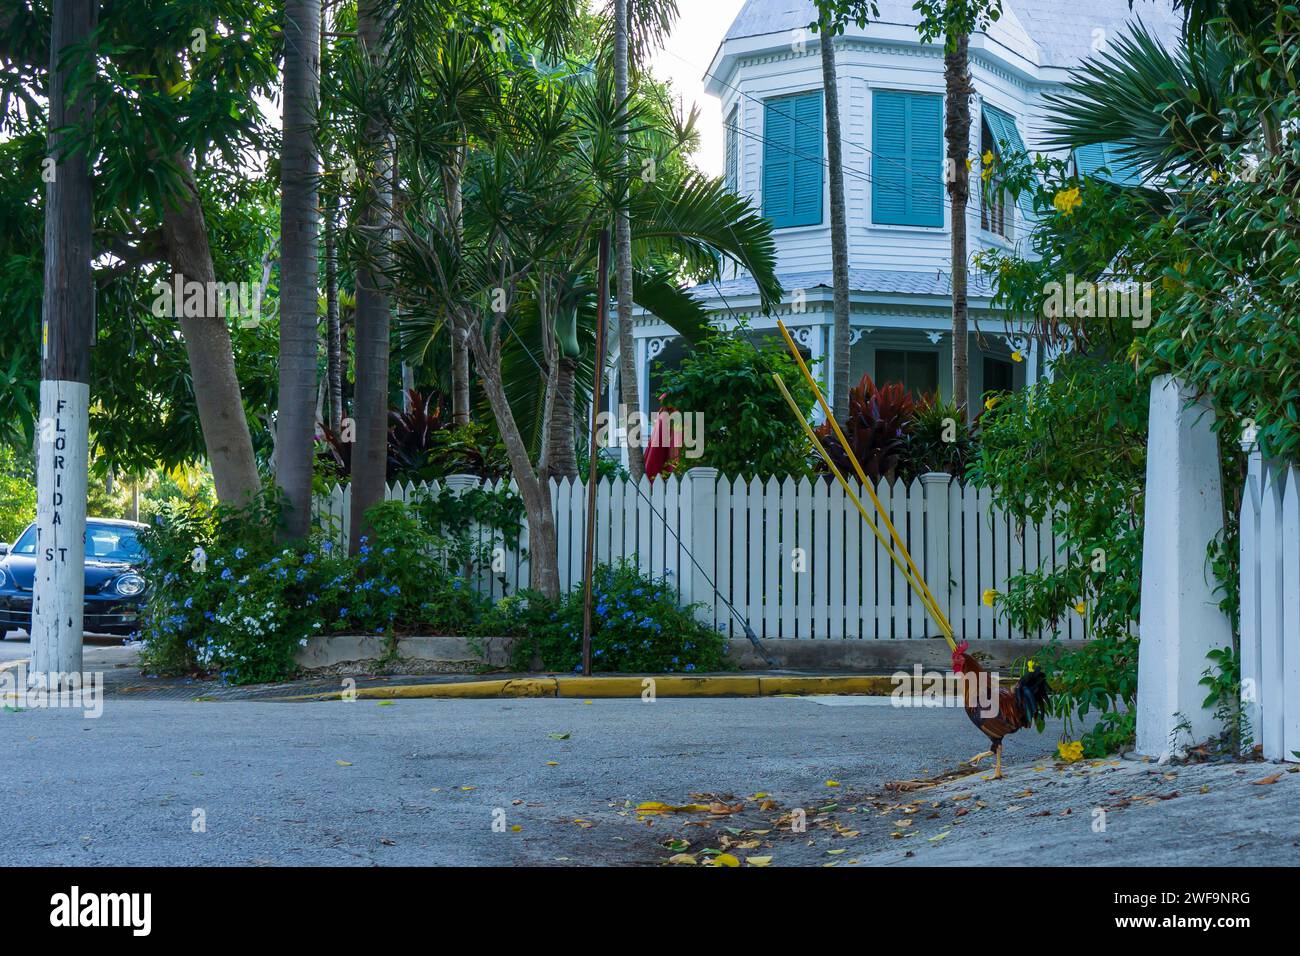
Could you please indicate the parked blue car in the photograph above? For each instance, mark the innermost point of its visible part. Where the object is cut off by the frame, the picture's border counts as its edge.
(115, 587)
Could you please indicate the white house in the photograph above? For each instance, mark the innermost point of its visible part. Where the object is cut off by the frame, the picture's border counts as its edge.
(767, 74)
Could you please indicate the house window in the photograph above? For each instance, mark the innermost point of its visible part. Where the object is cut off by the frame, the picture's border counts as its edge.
(792, 160)
(733, 153)
(999, 376)
(907, 158)
(918, 371)
(993, 207)
(998, 135)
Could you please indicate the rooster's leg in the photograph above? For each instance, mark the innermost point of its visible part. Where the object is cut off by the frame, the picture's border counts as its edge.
(997, 772)
(975, 760)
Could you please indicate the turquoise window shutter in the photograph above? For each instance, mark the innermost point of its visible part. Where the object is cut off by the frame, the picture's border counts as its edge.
(1007, 140)
(1091, 158)
(907, 158)
(792, 160)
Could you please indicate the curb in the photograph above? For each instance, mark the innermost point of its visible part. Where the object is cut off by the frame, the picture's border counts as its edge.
(670, 685)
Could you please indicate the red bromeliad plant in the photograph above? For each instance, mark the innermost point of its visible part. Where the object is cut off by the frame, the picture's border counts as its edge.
(876, 429)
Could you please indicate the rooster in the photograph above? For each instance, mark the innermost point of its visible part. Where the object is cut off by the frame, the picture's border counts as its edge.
(1016, 708)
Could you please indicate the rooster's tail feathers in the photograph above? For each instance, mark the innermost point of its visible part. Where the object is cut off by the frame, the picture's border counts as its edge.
(1032, 694)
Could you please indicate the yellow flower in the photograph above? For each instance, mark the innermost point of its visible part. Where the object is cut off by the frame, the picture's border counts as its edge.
(987, 158)
(1070, 752)
(968, 164)
(990, 402)
(985, 174)
(1080, 609)
(989, 597)
(1030, 666)
(1017, 357)
(1067, 201)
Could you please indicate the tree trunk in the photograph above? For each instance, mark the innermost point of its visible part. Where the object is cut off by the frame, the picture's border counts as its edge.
(623, 262)
(334, 345)
(68, 308)
(459, 344)
(956, 73)
(562, 458)
(839, 230)
(543, 543)
(370, 398)
(299, 233)
(211, 356)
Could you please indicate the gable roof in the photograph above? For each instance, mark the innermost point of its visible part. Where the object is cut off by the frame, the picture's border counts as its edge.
(1060, 32)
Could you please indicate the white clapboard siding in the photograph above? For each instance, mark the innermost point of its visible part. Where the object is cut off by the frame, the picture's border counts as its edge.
(793, 559)
(1270, 606)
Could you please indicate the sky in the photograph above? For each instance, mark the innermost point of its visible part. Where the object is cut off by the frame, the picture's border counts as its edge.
(700, 27)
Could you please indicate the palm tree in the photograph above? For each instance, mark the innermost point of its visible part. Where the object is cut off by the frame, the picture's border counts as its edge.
(537, 190)
(639, 25)
(372, 314)
(831, 19)
(1163, 109)
(299, 226)
(955, 20)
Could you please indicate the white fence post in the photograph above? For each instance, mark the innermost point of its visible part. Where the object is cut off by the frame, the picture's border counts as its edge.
(1252, 678)
(937, 537)
(700, 496)
(1290, 700)
(1181, 619)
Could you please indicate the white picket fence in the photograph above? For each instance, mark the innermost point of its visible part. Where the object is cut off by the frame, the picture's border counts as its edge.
(1270, 606)
(793, 558)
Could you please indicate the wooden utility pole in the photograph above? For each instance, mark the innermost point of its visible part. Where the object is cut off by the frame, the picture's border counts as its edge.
(593, 451)
(67, 317)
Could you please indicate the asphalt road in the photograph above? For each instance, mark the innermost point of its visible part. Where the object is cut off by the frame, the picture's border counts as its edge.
(449, 781)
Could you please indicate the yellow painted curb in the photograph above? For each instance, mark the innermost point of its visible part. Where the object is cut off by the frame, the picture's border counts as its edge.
(875, 685)
(664, 685)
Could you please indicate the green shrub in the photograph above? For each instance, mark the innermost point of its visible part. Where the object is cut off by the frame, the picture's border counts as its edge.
(1077, 444)
(748, 427)
(637, 626)
(246, 608)
(17, 493)
(938, 438)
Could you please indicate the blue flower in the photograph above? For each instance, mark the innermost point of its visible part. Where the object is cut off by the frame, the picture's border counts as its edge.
(189, 602)
(309, 558)
(240, 553)
(388, 550)
(343, 612)
(689, 667)
(627, 614)
(226, 575)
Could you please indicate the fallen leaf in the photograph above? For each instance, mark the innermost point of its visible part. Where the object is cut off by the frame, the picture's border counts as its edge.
(939, 836)
(680, 859)
(834, 852)
(558, 736)
(516, 828)
(1267, 780)
(386, 703)
(832, 783)
(387, 842)
(725, 859)
(552, 763)
(344, 763)
(758, 860)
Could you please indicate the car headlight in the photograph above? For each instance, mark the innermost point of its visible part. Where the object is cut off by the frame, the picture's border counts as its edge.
(129, 585)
